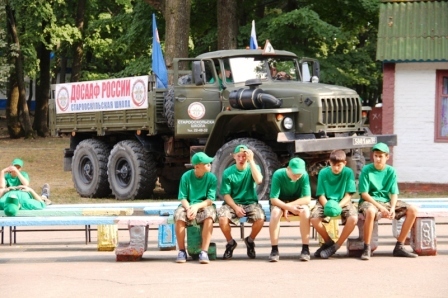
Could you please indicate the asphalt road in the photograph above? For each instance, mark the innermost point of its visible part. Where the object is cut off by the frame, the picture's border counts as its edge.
(59, 264)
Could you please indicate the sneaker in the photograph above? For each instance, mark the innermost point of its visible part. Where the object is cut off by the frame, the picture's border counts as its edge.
(328, 252)
(203, 257)
(46, 194)
(229, 250)
(366, 254)
(400, 251)
(46, 190)
(274, 256)
(324, 246)
(305, 255)
(250, 248)
(181, 257)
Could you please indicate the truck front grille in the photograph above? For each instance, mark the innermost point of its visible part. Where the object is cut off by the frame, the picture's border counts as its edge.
(341, 112)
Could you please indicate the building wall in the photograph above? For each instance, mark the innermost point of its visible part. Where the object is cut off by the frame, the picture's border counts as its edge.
(417, 157)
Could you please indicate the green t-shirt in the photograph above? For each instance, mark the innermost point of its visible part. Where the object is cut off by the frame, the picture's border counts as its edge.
(26, 200)
(334, 187)
(196, 190)
(15, 181)
(378, 184)
(239, 185)
(283, 188)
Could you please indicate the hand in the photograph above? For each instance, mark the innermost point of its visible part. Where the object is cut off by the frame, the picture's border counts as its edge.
(285, 215)
(295, 209)
(384, 212)
(392, 213)
(249, 155)
(240, 212)
(192, 211)
(24, 188)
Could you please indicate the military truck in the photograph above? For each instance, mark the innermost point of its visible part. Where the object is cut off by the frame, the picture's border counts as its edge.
(126, 133)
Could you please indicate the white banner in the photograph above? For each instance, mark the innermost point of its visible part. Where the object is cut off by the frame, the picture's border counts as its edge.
(103, 95)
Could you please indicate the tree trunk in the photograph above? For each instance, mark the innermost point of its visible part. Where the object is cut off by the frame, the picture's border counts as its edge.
(12, 108)
(177, 20)
(79, 49)
(227, 24)
(40, 124)
(24, 115)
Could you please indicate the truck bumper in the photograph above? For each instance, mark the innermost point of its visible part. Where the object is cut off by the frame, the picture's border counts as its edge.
(329, 144)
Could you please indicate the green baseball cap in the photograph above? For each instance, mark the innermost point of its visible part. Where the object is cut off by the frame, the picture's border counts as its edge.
(17, 162)
(201, 157)
(332, 208)
(240, 148)
(381, 147)
(297, 166)
(11, 205)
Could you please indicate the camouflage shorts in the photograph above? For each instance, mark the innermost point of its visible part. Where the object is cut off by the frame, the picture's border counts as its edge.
(203, 214)
(400, 208)
(254, 212)
(347, 211)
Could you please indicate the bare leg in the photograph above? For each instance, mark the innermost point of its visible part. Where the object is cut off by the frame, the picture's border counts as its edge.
(368, 225)
(348, 229)
(225, 228)
(256, 228)
(180, 234)
(274, 225)
(317, 224)
(411, 214)
(207, 229)
(305, 224)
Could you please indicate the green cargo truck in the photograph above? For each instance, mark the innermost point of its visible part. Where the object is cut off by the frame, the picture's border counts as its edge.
(126, 134)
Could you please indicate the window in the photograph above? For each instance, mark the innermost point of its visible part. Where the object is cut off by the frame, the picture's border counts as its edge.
(441, 125)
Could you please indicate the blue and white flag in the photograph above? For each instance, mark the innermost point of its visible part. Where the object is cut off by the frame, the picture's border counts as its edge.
(253, 38)
(158, 63)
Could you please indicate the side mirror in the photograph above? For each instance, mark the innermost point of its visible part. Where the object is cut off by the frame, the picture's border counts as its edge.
(198, 73)
(316, 69)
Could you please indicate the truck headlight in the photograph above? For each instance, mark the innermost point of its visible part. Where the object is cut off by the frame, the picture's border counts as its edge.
(288, 123)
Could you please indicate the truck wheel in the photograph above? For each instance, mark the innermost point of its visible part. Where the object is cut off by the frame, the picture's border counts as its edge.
(89, 169)
(131, 170)
(263, 155)
(168, 107)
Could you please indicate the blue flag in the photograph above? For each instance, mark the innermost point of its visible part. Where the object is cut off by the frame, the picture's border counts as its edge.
(158, 63)
(253, 38)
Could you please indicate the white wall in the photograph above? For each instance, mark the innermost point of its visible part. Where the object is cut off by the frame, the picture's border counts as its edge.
(417, 157)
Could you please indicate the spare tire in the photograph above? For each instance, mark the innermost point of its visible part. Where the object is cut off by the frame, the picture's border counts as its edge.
(168, 107)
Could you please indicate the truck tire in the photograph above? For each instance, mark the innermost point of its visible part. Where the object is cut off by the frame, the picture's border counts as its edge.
(131, 171)
(263, 155)
(89, 169)
(168, 107)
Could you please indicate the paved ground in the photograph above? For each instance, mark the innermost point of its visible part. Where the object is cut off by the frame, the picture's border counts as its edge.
(59, 264)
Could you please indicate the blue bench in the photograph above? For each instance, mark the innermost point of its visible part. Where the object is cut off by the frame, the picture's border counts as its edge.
(69, 212)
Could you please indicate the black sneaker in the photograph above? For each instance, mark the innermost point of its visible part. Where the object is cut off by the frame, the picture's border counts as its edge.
(274, 256)
(229, 250)
(400, 251)
(366, 254)
(328, 252)
(305, 255)
(324, 246)
(250, 248)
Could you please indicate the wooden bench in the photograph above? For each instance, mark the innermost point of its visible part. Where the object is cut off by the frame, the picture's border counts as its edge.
(422, 237)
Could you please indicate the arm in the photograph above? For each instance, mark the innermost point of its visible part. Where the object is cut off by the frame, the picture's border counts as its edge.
(2, 178)
(238, 210)
(366, 197)
(256, 175)
(22, 178)
(393, 203)
(32, 192)
(345, 200)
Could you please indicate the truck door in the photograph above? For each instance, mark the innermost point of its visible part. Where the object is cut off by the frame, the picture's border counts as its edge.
(196, 97)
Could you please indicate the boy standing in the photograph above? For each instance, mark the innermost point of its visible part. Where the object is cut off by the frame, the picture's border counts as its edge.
(290, 193)
(197, 191)
(238, 187)
(379, 192)
(335, 185)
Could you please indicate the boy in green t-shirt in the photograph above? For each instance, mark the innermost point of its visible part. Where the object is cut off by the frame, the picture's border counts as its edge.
(379, 194)
(238, 187)
(290, 193)
(335, 183)
(20, 198)
(13, 176)
(197, 191)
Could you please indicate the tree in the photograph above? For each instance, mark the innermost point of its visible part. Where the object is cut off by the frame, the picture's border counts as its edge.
(227, 24)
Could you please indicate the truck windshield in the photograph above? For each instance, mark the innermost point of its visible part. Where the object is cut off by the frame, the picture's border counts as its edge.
(278, 69)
